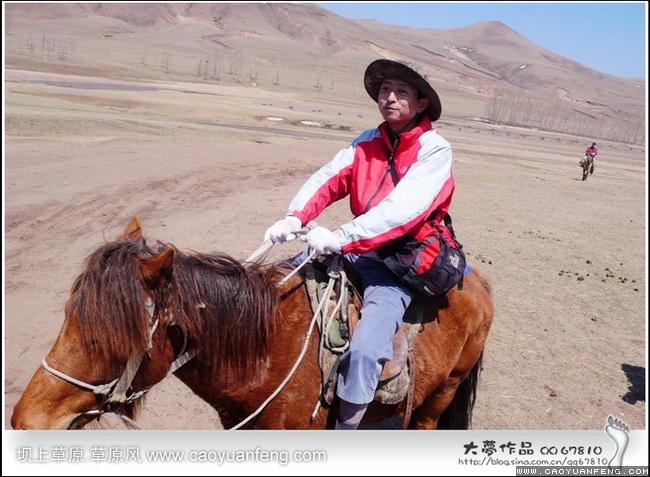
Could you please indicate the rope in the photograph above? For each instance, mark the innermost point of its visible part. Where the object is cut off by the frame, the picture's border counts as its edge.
(327, 324)
(268, 243)
(101, 389)
(342, 299)
(328, 291)
(262, 249)
(304, 262)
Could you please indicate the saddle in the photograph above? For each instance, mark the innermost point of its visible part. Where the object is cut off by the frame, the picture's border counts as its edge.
(331, 278)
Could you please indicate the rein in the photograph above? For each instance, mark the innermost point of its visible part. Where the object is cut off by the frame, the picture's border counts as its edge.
(266, 246)
(116, 391)
(324, 299)
(314, 320)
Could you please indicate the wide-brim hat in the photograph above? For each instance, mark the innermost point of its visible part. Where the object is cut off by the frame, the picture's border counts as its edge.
(379, 70)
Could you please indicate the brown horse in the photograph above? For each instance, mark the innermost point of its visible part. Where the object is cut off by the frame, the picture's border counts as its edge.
(239, 335)
(587, 165)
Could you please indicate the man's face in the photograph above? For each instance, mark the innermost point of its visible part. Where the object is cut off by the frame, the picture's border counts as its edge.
(398, 103)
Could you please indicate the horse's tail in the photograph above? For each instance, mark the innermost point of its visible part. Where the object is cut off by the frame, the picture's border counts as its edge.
(458, 414)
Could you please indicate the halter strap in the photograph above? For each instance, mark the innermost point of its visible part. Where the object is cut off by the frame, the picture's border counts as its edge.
(100, 389)
(116, 391)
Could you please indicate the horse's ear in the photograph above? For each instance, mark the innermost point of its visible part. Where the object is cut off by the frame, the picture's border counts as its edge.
(157, 270)
(132, 231)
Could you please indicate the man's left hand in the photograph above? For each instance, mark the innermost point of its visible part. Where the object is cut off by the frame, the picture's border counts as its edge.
(322, 240)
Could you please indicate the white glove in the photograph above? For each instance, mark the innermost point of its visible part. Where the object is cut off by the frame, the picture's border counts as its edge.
(283, 230)
(322, 240)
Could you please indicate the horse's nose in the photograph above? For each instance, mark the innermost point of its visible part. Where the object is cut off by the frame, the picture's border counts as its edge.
(17, 421)
(25, 417)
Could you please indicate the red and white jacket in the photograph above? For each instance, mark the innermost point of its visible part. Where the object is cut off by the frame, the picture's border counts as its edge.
(382, 210)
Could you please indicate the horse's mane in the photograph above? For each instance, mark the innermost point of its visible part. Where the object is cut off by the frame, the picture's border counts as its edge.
(224, 307)
(108, 301)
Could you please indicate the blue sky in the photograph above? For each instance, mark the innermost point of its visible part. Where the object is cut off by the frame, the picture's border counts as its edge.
(605, 36)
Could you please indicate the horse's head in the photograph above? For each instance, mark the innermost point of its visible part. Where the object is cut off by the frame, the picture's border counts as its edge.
(115, 343)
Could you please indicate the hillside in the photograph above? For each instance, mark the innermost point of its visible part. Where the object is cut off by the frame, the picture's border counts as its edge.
(486, 70)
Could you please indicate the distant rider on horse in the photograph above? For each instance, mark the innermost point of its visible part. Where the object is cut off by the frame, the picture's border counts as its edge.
(592, 151)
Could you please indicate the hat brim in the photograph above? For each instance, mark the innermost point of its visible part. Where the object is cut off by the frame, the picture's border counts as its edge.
(380, 70)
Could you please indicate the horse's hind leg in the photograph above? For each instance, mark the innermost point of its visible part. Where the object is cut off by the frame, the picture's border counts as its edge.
(450, 406)
(427, 415)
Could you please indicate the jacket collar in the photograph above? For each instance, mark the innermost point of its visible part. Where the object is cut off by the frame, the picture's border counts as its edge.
(408, 137)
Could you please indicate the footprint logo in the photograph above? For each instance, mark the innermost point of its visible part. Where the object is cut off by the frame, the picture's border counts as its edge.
(619, 432)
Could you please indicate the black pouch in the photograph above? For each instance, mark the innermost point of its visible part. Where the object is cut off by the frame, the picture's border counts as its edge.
(430, 266)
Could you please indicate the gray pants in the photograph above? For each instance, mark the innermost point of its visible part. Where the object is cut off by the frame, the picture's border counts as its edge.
(384, 302)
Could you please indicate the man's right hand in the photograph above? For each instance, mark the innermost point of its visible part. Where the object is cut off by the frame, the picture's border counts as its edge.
(283, 230)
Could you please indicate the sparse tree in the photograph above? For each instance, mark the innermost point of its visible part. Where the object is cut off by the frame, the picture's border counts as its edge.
(319, 78)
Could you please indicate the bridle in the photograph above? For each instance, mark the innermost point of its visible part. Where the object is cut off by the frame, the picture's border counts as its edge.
(118, 392)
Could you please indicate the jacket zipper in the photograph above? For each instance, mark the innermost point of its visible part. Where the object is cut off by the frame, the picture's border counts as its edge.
(389, 169)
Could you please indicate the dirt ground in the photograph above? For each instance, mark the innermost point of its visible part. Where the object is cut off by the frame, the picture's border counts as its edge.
(210, 171)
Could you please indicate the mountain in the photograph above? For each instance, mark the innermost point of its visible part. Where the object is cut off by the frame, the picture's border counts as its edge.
(486, 71)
